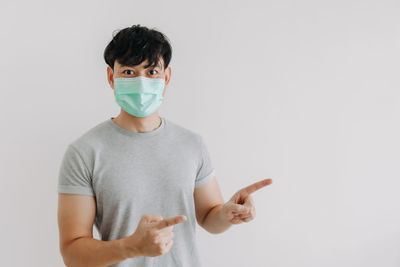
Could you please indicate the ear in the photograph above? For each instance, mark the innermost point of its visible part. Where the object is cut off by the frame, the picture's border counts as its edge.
(110, 76)
(167, 78)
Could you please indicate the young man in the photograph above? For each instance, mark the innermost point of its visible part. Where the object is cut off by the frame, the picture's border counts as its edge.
(141, 179)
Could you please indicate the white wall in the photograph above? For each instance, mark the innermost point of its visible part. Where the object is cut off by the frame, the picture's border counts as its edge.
(303, 92)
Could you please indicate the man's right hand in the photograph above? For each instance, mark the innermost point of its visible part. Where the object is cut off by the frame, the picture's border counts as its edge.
(153, 236)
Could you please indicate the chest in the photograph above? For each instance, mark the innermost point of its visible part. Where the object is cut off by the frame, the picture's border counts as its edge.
(150, 174)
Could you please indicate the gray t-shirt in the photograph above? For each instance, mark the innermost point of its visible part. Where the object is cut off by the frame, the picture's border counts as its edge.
(131, 174)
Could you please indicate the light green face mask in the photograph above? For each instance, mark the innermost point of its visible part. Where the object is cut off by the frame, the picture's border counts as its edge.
(139, 96)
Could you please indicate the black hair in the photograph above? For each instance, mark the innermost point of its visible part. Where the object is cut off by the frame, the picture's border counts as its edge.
(133, 45)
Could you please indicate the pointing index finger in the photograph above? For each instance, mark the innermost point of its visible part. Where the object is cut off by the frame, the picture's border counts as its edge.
(257, 185)
(170, 221)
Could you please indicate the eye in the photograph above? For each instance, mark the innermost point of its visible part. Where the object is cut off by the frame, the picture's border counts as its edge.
(131, 72)
(154, 70)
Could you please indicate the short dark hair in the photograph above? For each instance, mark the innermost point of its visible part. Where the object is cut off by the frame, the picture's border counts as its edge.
(133, 45)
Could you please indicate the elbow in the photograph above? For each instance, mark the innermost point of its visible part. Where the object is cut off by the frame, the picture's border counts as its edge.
(63, 247)
(214, 232)
(66, 252)
(67, 258)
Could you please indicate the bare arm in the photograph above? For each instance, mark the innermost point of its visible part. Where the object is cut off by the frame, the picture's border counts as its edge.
(208, 203)
(76, 215)
(86, 251)
(214, 222)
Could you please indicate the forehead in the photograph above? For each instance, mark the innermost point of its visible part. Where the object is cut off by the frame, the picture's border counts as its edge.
(141, 65)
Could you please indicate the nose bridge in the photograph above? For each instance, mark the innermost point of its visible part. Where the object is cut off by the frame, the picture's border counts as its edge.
(142, 72)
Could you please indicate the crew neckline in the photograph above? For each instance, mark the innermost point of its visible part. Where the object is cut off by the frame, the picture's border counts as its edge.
(126, 132)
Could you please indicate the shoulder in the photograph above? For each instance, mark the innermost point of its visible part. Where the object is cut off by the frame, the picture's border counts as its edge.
(183, 133)
(91, 139)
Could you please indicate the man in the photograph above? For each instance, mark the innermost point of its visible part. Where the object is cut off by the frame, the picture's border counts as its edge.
(139, 176)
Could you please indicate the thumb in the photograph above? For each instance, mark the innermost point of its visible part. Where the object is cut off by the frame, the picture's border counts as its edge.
(152, 218)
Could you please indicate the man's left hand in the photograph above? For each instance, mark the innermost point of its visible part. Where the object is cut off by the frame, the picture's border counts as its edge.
(240, 208)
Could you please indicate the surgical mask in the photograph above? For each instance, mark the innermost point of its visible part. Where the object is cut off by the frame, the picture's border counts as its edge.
(139, 96)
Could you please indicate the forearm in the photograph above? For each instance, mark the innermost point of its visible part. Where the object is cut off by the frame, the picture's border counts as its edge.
(87, 251)
(215, 222)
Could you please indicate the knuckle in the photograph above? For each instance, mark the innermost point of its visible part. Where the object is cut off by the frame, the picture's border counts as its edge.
(168, 246)
(148, 231)
(154, 238)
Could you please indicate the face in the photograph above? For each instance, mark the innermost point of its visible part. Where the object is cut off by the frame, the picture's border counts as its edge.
(139, 70)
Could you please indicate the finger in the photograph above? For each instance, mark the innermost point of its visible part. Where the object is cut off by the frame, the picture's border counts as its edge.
(247, 219)
(254, 187)
(240, 213)
(238, 218)
(236, 221)
(248, 202)
(151, 218)
(251, 214)
(238, 208)
(166, 230)
(244, 216)
(170, 221)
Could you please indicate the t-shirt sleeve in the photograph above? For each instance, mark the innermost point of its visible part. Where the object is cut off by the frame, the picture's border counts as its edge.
(74, 175)
(206, 169)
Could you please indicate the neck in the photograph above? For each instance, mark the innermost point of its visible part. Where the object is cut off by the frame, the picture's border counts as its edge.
(138, 124)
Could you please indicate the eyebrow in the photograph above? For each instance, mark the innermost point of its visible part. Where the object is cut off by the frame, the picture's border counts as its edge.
(156, 66)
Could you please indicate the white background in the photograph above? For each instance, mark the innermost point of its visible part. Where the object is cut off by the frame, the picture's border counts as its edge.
(303, 92)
